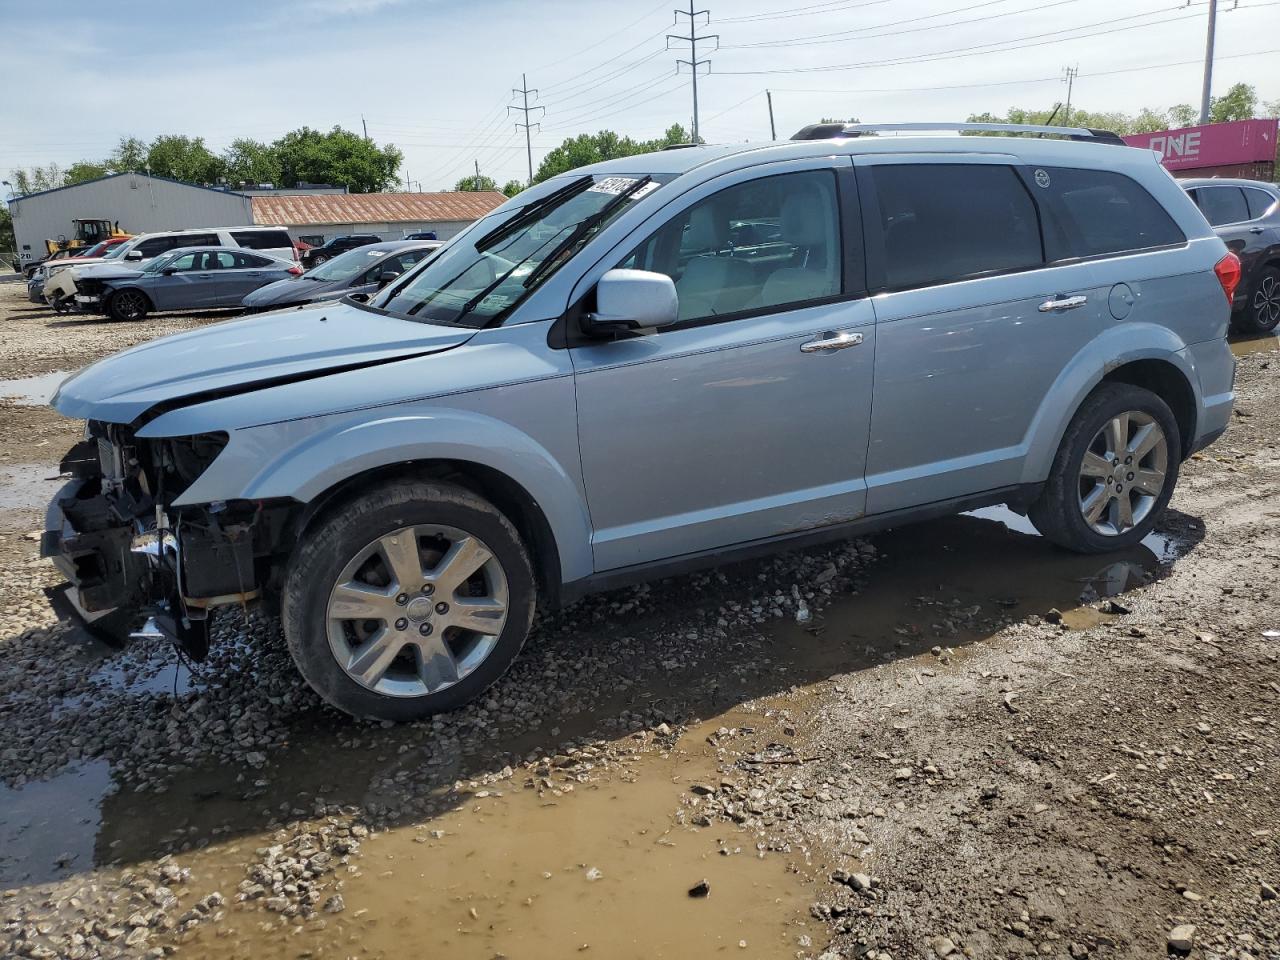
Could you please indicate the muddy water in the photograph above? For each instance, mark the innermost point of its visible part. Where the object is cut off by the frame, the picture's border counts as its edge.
(27, 485)
(604, 870)
(33, 391)
(498, 869)
(1257, 343)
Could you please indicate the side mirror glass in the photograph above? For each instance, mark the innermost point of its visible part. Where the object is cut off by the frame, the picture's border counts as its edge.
(628, 300)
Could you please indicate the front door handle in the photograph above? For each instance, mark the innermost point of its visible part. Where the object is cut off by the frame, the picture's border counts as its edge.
(1065, 303)
(832, 341)
(1255, 229)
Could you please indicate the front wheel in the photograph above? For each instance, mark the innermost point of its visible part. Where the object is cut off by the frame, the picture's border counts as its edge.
(1114, 472)
(318, 259)
(128, 305)
(409, 600)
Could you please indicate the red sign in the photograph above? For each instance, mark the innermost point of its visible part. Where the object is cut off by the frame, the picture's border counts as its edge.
(1217, 144)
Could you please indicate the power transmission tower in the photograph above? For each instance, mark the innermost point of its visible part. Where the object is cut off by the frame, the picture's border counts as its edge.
(1070, 78)
(693, 62)
(524, 91)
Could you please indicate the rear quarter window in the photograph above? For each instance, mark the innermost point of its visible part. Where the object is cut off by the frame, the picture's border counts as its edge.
(1104, 213)
(1259, 202)
(262, 239)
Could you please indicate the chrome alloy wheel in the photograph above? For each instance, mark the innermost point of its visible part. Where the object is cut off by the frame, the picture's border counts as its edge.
(1123, 473)
(1266, 303)
(417, 610)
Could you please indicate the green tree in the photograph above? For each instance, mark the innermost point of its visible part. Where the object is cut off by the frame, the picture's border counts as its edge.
(251, 161)
(183, 158)
(606, 145)
(84, 170)
(1240, 102)
(512, 187)
(339, 157)
(8, 245)
(130, 155)
(1183, 115)
(34, 179)
(476, 184)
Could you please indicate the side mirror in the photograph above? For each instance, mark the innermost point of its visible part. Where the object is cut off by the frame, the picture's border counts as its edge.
(386, 276)
(359, 297)
(628, 300)
(133, 255)
(169, 271)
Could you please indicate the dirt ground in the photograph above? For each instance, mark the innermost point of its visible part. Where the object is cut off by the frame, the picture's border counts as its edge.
(950, 740)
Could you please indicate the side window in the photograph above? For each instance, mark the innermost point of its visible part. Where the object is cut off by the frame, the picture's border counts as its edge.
(1259, 202)
(772, 242)
(185, 262)
(221, 260)
(1103, 213)
(194, 240)
(247, 261)
(944, 222)
(1222, 205)
(154, 246)
(261, 239)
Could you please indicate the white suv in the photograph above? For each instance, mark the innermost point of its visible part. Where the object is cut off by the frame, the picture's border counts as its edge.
(59, 282)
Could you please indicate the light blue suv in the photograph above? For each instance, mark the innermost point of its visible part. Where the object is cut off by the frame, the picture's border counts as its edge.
(649, 365)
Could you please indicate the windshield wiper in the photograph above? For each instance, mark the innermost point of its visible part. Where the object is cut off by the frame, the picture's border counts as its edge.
(529, 212)
(585, 227)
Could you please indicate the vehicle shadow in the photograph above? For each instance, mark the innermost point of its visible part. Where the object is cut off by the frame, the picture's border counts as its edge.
(631, 665)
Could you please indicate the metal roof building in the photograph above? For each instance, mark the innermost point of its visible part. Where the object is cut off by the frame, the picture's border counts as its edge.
(137, 202)
(390, 215)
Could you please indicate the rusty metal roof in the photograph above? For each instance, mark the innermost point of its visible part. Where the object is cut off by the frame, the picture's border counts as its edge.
(373, 208)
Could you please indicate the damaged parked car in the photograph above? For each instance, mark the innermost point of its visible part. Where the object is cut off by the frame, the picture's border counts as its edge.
(595, 384)
(189, 278)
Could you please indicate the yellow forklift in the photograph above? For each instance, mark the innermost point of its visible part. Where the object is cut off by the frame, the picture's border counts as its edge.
(88, 232)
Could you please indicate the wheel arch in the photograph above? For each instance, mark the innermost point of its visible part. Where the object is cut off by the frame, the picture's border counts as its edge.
(1167, 382)
(113, 292)
(509, 496)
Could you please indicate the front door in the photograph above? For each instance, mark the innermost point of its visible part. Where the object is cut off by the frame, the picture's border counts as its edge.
(748, 418)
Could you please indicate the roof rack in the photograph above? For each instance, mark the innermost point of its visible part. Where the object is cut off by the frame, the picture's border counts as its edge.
(826, 131)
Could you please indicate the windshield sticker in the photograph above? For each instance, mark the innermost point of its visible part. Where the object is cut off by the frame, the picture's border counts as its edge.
(616, 185)
(1042, 179)
(375, 253)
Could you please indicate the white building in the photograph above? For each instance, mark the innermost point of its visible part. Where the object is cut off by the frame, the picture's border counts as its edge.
(390, 215)
(138, 203)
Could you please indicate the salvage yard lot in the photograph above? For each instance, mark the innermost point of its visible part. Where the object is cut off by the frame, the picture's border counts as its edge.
(978, 745)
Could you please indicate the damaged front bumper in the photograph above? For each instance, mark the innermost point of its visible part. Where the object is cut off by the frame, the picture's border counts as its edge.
(135, 566)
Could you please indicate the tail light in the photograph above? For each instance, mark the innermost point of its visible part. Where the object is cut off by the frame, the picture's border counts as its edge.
(295, 270)
(1228, 272)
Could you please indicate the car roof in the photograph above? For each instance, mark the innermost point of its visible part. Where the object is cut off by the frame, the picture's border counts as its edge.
(400, 244)
(1049, 151)
(221, 249)
(1190, 182)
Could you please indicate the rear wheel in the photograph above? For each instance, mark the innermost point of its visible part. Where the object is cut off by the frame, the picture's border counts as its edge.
(1114, 472)
(318, 259)
(128, 305)
(410, 600)
(1262, 315)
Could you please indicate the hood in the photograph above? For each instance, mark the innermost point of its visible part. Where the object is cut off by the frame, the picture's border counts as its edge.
(240, 355)
(106, 271)
(295, 290)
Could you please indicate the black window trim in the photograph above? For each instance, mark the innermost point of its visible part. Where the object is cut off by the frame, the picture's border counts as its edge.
(567, 331)
(873, 231)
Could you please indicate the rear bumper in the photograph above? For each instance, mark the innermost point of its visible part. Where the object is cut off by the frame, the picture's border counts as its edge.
(1215, 369)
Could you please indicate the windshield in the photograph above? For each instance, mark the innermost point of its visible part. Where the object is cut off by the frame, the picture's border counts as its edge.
(94, 251)
(479, 280)
(115, 252)
(346, 265)
(160, 262)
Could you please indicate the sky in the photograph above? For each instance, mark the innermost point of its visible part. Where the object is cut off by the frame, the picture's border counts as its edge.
(435, 77)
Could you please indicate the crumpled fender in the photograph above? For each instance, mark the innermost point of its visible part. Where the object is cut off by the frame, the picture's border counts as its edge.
(295, 460)
(1119, 345)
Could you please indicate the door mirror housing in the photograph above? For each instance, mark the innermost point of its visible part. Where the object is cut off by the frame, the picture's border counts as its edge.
(133, 255)
(169, 271)
(630, 300)
(359, 297)
(386, 276)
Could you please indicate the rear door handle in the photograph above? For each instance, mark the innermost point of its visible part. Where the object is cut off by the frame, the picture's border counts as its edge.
(1064, 303)
(832, 341)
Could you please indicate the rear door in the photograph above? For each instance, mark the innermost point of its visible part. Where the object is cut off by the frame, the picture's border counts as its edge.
(973, 324)
(747, 419)
(1226, 207)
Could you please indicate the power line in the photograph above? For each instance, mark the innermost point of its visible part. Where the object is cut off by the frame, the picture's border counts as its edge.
(693, 62)
(833, 6)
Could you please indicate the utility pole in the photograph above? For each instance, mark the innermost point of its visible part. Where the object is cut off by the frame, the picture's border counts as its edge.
(524, 91)
(365, 125)
(1070, 77)
(1208, 63)
(693, 62)
(773, 133)
(477, 170)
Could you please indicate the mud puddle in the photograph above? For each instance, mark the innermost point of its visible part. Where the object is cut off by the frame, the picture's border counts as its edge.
(27, 485)
(33, 391)
(601, 868)
(48, 827)
(1257, 343)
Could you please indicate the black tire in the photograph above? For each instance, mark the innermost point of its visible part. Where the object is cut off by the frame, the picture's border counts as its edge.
(341, 535)
(128, 305)
(1059, 511)
(318, 259)
(1262, 313)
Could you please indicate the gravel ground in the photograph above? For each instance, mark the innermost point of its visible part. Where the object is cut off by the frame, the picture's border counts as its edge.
(961, 742)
